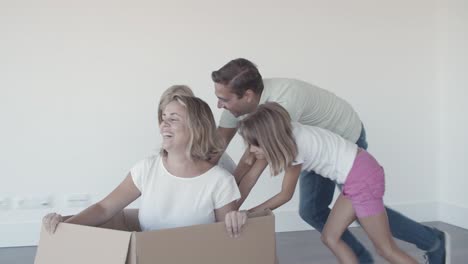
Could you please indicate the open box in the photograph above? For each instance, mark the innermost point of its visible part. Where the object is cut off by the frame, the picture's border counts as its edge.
(120, 241)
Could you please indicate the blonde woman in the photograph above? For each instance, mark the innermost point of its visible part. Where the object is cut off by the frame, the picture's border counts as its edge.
(225, 161)
(166, 97)
(180, 177)
(293, 148)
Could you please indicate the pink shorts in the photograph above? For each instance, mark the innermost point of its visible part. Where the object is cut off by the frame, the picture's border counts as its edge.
(365, 185)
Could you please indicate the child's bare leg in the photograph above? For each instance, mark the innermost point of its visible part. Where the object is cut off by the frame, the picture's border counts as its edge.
(378, 230)
(341, 216)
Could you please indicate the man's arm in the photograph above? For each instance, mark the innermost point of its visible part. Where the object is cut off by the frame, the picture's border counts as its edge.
(243, 166)
(226, 135)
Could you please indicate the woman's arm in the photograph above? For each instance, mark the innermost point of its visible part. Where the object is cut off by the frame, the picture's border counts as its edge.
(291, 176)
(99, 213)
(220, 213)
(113, 203)
(234, 220)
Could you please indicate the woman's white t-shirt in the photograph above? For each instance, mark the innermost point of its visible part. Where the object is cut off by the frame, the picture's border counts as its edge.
(168, 201)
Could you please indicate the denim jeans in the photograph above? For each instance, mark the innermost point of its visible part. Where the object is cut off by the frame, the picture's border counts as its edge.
(316, 194)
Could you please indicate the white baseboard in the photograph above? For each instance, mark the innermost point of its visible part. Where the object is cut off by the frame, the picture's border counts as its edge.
(453, 214)
(27, 233)
(19, 234)
(287, 221)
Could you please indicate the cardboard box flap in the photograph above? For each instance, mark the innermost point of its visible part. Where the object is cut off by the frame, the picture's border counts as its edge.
(77, 244)
(210, 244)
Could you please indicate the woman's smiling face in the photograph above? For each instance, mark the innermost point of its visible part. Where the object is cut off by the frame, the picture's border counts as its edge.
(173, 128)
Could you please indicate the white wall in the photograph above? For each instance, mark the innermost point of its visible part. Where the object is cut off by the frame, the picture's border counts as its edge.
(453, 82)
(80, 82)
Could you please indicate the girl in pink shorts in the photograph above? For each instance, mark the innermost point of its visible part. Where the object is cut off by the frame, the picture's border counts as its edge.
(365, 185)
(293, 148)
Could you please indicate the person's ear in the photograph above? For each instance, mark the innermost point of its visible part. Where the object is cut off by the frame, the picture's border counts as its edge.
(249, 95)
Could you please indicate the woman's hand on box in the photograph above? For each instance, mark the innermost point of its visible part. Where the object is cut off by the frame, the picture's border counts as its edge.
(235, 220)
(51, 221)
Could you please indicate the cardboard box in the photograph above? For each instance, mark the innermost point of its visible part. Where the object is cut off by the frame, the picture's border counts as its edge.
(119, 241)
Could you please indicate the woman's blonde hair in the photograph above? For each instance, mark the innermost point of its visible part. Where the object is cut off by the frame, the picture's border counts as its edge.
(269, 127)
(167, 95)
(204, 142)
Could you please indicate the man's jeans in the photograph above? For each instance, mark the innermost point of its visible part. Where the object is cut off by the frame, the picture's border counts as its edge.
(316, 194)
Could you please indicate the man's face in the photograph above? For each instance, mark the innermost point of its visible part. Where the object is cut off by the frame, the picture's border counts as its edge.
(230, 101)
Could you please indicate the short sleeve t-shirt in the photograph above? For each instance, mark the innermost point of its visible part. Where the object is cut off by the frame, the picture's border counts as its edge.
(308, 105)
(168, 201)
(324, 152)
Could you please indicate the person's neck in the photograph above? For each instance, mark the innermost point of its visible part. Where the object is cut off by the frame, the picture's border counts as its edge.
(178, 164)
(178, 159)
(256, 102)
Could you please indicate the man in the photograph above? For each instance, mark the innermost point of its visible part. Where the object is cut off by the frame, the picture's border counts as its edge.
(240, 88)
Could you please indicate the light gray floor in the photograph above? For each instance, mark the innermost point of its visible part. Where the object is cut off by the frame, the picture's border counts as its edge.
(306, 247)
(299, 248)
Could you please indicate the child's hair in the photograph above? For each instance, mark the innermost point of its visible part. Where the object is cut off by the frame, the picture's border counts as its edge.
(269, 127)
(166, 97)
(204, 142)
